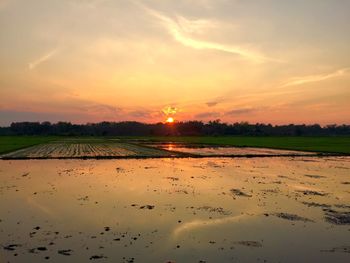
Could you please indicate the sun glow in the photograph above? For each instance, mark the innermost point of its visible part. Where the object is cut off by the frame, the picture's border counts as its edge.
(169, 120)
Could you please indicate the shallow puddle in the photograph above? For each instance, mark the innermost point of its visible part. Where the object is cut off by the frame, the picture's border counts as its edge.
(175, 210)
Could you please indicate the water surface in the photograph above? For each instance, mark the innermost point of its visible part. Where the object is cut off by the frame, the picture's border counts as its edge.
(175, 210)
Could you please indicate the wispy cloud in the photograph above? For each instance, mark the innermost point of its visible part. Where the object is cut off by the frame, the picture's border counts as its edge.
(181, 29)
(241, 111)
(207, 115)
(212, 103)
(315, 78)
(42, 59)
(215, 102)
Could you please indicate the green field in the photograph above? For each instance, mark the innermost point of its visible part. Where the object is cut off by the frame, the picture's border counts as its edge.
(316, 144)
(11, 143)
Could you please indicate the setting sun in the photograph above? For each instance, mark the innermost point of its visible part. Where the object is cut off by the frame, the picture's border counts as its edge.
(169, 120)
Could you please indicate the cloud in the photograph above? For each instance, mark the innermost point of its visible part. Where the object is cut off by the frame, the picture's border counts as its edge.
(42, 59)
(240, 111)
(9, 116)
(193, 26)
(212, 103)
(141, 114)
(169, 110)
(206, 115)
(181, 28)
(75, 109)
(315, 78)
(215, 102)
(102, 110)
(65, 108)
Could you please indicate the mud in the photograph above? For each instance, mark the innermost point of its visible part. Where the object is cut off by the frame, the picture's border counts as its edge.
(238, 192)
(337, 217)
(292, 217)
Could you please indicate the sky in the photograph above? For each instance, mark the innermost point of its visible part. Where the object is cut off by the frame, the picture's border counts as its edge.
(271, 61)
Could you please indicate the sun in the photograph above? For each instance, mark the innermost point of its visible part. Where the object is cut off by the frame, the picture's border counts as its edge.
(169, 120)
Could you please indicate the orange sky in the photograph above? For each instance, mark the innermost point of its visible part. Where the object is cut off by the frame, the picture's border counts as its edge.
(94, 60)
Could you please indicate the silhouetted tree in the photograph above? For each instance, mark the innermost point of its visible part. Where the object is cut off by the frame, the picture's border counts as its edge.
(189, 128)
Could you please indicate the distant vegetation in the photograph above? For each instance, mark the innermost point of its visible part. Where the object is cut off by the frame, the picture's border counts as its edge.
(190, 128)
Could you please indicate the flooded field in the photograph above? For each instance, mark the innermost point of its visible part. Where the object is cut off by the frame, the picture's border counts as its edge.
(109, 149)
(207, 150)
(86, 150)
(279, 209)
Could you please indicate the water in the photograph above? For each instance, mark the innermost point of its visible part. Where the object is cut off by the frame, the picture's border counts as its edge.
(174, 210)
(226, 151)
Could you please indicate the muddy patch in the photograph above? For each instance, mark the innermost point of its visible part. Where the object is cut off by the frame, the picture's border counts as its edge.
(270, 191)
(11, 247)
(342, 206)
(311, 192)
(314, 176)
(340, 249)
(235, 192)
(210, 209)
(65, 252)
(292, 217)
(337, 217)
(95, 257)
(254, 244)
(314, 204)
(171, 178)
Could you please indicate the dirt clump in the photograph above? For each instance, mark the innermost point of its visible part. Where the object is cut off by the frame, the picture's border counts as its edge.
(238, 192)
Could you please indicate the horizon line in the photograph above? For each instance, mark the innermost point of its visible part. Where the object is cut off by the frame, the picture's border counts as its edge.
(178, 122)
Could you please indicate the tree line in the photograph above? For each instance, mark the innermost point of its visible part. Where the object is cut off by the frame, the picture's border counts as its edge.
(188, 128)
